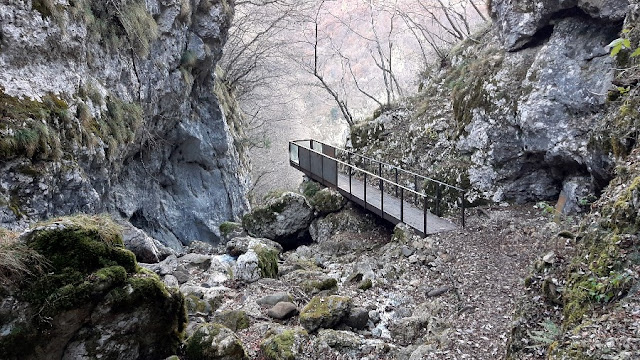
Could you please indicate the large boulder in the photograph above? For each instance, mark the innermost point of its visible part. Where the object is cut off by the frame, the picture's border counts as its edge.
(327, 200)
(146, 248)
(215, 342)
(257, 258)
(90, 300)
(283, 219)
(324, 312)
(283, 344)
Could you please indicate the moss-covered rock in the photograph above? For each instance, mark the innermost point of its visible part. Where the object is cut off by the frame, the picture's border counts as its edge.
(285, 345)
(324, 312)
(327, 201)
(315, 286)
(92, 289)
(281, 219)
(214, 342)
(233, 319)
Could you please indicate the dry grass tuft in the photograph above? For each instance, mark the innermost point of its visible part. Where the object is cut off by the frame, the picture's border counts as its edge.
(17, 260)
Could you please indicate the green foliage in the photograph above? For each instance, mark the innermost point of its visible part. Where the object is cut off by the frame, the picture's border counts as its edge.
(549, 334)
(310, 188)
(111, 23)
(233, 319)
(228, 227)
(282, 346)
(267, 261)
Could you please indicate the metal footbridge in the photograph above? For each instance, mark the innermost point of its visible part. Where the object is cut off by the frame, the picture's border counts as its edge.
(388, 191)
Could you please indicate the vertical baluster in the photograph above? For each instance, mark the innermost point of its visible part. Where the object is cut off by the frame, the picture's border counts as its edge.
(396, 182)
(424, 212)
(415, 188)
(438, 195)
(402, 204)
(462, 200)
(349, 167)
(365, 190)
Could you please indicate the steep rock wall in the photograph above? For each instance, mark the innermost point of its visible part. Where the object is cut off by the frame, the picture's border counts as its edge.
(518, 112)
(110, 106)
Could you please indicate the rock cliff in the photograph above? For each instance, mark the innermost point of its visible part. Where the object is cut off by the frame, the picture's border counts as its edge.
(115, 106)
(518, 112)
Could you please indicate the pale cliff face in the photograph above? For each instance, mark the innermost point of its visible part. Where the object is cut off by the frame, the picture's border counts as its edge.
(124, 95)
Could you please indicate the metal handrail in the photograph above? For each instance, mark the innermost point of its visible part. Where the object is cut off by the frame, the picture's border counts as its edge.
(383, 180)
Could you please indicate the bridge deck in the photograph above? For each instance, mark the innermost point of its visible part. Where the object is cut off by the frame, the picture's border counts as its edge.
(330, 166)
(412, 216)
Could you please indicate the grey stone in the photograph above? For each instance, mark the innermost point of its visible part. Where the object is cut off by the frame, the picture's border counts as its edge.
(339, 339)
(181, 276)
(274, 299)
(438, 291)
(215, 341)
(324, 312)
(171, 281)
(178, 175)
(283, 310)
(374, 316)
(519, 21)
(281, 219)
(139, 243)
(195, 261)
(407, 251)
(358, 318)
(246, 268)
(240, 245)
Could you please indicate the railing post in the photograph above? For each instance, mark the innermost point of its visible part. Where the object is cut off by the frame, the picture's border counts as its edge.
(380, 174)
(401, 204)
(462, 200)
(415, 188)
(350, 169)
(438, 195)
(365, 190)
(396, 182)
(322, 166)
(424, 212)
(382, 199)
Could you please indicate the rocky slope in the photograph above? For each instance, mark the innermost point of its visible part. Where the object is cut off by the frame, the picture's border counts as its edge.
(517, 112)
(114, 106)
(358, 290)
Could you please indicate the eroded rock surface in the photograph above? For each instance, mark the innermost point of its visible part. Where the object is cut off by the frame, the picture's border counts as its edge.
(136, 110)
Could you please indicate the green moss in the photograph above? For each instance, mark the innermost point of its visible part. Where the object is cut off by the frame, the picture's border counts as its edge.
(310, 188)
(228, 227)
(282, 346)
(467, 89)
(202, 344)
(315, 286)
(233, 319)
(365, 284)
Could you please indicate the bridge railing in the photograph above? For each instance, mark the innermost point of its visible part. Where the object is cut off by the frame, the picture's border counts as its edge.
(324, 162)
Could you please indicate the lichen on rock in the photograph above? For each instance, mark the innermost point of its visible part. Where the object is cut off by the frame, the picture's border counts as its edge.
(324, 312)
(214, 342)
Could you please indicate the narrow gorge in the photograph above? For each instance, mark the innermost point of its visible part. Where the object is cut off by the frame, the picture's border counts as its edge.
(129, 227)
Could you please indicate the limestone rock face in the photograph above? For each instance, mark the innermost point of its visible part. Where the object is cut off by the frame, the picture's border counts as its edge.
(127, 117)
(517, 116)
(520, 21)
